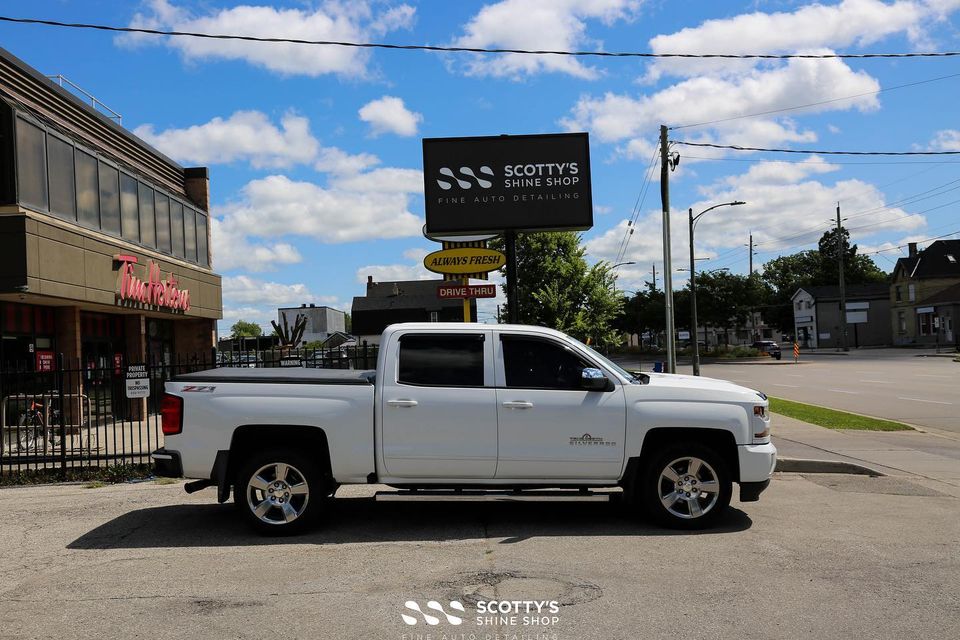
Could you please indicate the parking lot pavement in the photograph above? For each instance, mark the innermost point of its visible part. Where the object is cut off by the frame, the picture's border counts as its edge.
(828, 556)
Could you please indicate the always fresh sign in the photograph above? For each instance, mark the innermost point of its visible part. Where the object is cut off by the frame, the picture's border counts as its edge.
(153, 291)
(464, 260)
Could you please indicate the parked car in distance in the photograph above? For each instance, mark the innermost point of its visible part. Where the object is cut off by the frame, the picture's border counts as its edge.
(768, 347)
(457, 409)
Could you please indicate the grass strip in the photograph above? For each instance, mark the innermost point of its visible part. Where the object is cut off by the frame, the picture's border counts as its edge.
(831, 418)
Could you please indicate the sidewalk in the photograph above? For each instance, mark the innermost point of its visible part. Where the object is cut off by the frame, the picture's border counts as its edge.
(930, 456)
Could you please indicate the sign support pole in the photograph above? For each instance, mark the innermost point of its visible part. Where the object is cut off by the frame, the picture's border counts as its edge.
(513, 312)
(466, 301)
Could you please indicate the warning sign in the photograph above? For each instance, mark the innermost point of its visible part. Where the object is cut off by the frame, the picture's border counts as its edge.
(137, 381)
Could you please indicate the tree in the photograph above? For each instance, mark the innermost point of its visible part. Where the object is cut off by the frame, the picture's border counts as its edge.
(244, 329)
(557, 289)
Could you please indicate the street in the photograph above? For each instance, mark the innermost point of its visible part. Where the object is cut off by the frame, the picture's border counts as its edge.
(894, 384)
(828, 556)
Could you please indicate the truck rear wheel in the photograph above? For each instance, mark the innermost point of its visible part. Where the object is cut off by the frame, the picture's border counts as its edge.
(279, 492)
(686, 487)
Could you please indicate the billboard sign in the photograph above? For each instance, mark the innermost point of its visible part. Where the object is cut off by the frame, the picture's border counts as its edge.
(499, 183)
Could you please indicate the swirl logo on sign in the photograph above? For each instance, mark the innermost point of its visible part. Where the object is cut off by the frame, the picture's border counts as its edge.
(463, 183)
(430, 619)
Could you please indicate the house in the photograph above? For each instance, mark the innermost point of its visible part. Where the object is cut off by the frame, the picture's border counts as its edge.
(322, 322)
(817, 320)
(407, 301)
(923, 294)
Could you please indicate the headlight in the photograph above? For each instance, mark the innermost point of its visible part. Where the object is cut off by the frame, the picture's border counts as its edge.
(761, 424)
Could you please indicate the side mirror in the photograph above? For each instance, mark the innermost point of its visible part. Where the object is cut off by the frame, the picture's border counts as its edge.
(593, 380)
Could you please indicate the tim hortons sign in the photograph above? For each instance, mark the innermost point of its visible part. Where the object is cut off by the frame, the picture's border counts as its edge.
(155, 291)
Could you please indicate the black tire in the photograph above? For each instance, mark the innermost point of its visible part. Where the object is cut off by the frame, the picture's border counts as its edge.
(687, 511)
(275, 505)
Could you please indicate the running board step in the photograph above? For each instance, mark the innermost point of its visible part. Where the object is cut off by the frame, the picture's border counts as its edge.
(447, 495)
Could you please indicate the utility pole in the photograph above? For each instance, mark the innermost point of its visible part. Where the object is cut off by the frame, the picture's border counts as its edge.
(751, 254)
(654, 276)
(667, 262)
(843, 288)
(693, 302)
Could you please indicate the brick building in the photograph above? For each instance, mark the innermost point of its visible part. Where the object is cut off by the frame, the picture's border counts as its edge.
(924, 295)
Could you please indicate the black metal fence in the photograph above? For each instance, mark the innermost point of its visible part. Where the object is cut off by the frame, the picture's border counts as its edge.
(73, 414)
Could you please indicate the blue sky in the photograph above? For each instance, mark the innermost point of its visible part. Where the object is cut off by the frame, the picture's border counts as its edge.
(315, 152)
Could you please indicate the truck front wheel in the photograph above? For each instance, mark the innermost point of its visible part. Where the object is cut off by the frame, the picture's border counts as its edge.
(279, 492)
(686, 487)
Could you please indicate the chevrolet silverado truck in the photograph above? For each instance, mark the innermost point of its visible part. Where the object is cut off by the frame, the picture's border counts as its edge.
(466, 409)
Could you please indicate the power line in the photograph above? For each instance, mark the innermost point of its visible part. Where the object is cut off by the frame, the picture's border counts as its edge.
(454, 49)
(637, 207)
(816, 104)
(688, 157)
(735, 147)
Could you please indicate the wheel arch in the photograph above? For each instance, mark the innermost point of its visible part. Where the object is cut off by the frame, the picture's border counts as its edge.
(249, 438)
(724, 442)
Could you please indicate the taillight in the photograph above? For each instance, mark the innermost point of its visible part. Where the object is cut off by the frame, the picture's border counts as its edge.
(171, 414)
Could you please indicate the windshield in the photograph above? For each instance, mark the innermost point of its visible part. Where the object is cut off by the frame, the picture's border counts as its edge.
(608, 363)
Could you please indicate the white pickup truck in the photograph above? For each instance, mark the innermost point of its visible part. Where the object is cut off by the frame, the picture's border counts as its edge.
(467, 408)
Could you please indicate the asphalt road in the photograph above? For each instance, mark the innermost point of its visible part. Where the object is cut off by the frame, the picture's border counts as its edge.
(887, 383)
(817, 557)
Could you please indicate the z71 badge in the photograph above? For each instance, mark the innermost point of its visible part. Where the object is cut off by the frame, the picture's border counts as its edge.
(192, 388)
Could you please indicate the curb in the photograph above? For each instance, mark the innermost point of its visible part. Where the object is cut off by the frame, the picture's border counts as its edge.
(802, 465)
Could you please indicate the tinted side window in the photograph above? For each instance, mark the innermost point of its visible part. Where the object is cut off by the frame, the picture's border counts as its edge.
(540, 364)
(446, 361)
(31, 164)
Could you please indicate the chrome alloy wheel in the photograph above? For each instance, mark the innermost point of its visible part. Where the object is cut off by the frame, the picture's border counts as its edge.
(688, 488)
(277, 493)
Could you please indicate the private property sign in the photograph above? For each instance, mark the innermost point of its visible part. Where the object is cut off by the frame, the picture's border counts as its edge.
(501, 183)
(136, 381)
(448, 291)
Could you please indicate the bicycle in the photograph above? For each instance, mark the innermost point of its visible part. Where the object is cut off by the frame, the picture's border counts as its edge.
(33, 431)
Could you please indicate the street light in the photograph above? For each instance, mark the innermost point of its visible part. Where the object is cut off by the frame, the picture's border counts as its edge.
(619, 264)
(693, 282)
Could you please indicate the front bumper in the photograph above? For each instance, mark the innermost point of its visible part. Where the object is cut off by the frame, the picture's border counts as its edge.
(757, 462)
(167, 463)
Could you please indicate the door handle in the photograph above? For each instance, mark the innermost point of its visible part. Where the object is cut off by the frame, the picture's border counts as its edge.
(402, 403)
(518, 404)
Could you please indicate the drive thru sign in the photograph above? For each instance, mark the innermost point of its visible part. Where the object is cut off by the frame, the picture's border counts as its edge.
(137, 382)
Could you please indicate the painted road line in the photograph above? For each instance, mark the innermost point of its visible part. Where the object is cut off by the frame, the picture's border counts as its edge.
(930, 375)
(777, 384)
(921, 400)
(877, 381)
(855, 393)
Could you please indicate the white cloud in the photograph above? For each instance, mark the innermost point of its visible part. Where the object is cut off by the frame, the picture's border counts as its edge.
(276, 206)
(339, 162)
(233, 250)
(848, 23)
(618, 117)
(946, 140)
(389, 115)
(394, 272)
(244, 136)
(384, 180)
(538, 24)
(246, 290)
(355, 21)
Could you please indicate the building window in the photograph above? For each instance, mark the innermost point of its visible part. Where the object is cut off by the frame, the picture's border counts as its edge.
(63, 198)
(190, 233)
(434, 316)
(898, 292)
(912, 292)
(31, 164)
(202, 255)
(925, 322)
(800, 305)
(901, 322)
(148, 231)
(88, 190)
(176, 228)
(109, 199)
(162, 206)
(809, 304)
(129, 216)
(443, 361)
